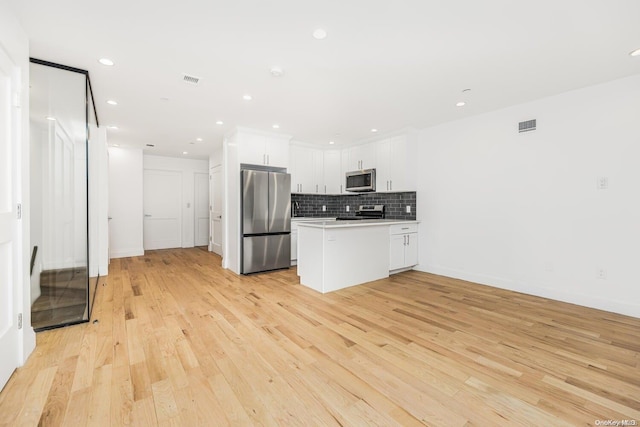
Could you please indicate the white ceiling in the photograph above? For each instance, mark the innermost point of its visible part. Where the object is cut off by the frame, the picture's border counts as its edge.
(384, 64)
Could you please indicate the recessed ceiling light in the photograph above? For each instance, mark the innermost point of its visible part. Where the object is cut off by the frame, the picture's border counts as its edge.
(276, 126)
(276, 71)
(116, 145)
(374, 130)
(219, 122)
(112, 102)
(164, 98)
(635, 52)
(319, 34)
(112, 127)
(461, 104)
(247, 97)
(106, 61)
(199, 139)
(331, 142)
(51, 118)
(185, 152)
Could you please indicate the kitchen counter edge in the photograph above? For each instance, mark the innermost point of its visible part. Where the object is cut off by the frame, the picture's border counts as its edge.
(355, 223)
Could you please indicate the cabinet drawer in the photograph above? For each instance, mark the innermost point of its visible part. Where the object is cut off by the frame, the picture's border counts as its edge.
(403, 228)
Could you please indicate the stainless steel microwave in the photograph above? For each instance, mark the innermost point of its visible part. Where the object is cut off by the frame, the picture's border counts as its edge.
(361, 180)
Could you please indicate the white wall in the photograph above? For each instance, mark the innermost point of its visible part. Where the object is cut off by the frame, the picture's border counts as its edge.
(98, 202)
(14, 41)
(523, 212)
(231, 201)
(125, 202)
(188, 167)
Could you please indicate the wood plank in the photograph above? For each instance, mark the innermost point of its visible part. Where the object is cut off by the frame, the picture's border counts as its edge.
(180, 341)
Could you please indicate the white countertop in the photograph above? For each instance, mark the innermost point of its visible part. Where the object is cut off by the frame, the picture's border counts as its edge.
(311, 218)
(355, 223)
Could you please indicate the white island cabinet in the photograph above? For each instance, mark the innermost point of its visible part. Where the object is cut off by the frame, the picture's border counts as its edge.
(337, 254)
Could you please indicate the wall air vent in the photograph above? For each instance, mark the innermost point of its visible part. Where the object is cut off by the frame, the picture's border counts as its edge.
(190, 79)
(527, 126)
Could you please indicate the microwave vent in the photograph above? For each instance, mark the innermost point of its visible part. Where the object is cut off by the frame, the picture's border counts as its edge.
(190, 79)
(527, 126)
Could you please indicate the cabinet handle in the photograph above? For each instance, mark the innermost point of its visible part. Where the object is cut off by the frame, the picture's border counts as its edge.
(404, 240)
(408, 237)
(340, 188)
(316, 188)
(390, 185)
(387, 185)
(325, 189)
(268, 159)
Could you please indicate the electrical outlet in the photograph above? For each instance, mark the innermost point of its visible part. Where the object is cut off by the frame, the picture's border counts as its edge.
(347, 208)
(324, 208)
(408, 209)
(603, 183)
(601, 273)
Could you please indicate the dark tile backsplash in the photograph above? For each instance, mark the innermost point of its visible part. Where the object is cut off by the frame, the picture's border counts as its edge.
(395, 204)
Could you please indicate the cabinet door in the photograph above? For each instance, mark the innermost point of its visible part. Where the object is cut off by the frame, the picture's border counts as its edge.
(411, 250)
(396, 251)
(318, 172)
(276, 152)
(251, 148)
(346, 167)
(302, 175)
(294, 168)
(294, 245)
(332, 171)
(363, 156)
(383, 153)
(397, 163)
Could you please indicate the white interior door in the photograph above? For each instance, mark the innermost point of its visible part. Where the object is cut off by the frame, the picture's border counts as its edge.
(9, 224)
(201, 209)
(216, 210)
(162, 194)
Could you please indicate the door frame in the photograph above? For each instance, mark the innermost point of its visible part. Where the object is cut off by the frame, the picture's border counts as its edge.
(195, 210)
(14, 48)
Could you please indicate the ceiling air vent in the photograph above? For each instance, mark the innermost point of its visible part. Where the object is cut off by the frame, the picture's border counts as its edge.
(190, 79)
(527, 126)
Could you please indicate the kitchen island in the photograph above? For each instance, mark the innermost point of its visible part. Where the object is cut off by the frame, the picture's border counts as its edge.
(337, 254)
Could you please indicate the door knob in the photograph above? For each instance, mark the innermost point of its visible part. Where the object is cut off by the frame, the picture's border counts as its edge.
(146, 215)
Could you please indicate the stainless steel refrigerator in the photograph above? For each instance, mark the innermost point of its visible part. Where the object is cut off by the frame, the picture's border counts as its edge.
(266, 221)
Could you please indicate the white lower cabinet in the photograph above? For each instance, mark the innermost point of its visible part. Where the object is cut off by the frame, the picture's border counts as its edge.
(294, 245)
(403, 250)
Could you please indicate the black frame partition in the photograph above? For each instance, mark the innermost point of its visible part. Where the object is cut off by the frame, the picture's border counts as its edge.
(59, 305)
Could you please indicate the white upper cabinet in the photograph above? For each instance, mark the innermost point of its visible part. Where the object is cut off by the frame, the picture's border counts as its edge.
(361, 157)
(395, 168)
(333, 176)
(307, 170)
(263, 149)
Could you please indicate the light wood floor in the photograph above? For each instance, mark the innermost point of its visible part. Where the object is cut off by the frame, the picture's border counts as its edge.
(179, 341)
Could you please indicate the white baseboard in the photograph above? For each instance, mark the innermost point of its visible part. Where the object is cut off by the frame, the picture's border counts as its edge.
(126, 253)
(597, 302)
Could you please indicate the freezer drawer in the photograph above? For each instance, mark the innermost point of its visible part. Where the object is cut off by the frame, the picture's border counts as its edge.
(263, 253)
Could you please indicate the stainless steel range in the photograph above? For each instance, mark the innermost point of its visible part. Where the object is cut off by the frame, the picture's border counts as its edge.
(365, 212)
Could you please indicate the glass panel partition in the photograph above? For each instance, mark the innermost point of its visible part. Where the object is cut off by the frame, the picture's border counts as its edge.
(59, 110)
